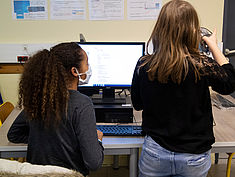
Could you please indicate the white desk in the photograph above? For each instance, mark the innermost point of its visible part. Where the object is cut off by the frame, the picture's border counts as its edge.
(112, 145)
(224, 136)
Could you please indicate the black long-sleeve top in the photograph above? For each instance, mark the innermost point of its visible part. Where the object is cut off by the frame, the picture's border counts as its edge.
(74, 144)
(179, 116)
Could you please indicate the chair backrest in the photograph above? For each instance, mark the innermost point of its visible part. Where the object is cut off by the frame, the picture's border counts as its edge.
(5, 109)
(11, 168)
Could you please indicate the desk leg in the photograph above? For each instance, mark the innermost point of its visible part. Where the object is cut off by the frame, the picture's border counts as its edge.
(216, 158)
(133, 164)
(115, 162)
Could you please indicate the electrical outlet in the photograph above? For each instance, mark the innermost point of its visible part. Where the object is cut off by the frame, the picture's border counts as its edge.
(21, 58)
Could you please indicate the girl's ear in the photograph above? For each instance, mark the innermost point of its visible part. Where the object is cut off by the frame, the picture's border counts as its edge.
(74, 72)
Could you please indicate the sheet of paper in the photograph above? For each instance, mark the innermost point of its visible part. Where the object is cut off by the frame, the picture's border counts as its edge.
(143, 9)
(106, 9)
(29, 10)
(68, 9)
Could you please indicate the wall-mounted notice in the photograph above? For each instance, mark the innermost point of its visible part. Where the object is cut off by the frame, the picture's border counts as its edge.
(106, 9)
(29, 9)
(68, 9)
(143, 9)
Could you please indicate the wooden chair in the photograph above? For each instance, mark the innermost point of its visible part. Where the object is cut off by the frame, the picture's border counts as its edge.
(5, 110)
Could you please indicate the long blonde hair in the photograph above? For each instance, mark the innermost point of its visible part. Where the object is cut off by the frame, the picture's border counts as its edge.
(175, 40)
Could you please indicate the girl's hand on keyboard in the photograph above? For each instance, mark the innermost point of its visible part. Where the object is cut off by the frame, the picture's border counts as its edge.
(100, 134)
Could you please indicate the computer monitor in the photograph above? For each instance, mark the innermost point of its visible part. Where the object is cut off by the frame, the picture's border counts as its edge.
(112, 65)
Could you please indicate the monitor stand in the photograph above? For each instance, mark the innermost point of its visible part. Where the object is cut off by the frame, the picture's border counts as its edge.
(108, 97)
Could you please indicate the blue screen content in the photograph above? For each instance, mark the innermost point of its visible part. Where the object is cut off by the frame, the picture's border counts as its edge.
(112, 64)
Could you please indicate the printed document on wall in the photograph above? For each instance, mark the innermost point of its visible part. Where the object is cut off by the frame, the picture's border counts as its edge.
(68, 9)
(143, 9)
(106, 9)
(29, 10)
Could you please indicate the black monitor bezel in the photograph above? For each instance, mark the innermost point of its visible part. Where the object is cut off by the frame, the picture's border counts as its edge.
(112, 43)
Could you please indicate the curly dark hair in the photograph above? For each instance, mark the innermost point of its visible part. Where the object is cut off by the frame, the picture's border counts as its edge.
(43, 88)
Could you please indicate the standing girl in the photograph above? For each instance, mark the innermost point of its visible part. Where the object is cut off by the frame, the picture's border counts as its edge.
(171, 87)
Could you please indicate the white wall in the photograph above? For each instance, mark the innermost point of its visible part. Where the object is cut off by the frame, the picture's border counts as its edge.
(50, 31)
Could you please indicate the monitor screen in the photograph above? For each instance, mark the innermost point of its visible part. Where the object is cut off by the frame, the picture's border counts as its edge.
(112, 63)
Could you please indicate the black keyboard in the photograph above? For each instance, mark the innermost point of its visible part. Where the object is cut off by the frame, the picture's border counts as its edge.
(120, 130)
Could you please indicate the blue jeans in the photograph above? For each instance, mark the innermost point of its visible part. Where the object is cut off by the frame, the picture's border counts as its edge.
(155, 161)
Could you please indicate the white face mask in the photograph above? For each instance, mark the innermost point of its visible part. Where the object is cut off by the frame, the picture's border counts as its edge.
(88, 76)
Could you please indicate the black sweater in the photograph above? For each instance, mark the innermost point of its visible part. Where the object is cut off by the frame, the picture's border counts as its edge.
(179, 116)
(73, 145)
